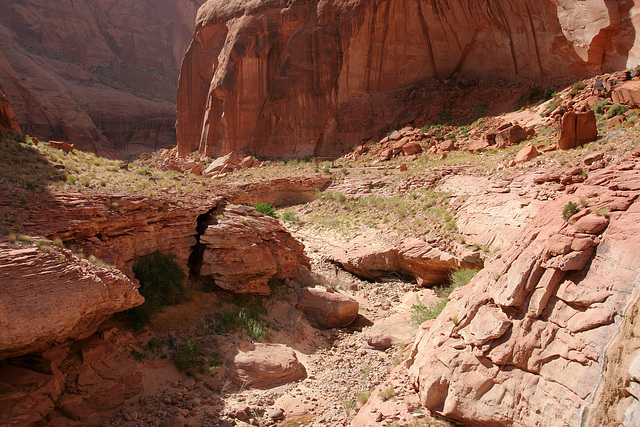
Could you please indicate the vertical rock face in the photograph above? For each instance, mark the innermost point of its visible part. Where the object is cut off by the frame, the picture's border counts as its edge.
(524, 344)
(7, 117)
(99, 74)
(292, 79)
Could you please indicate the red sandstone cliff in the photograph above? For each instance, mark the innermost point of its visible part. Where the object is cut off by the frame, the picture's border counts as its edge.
(291, 79)
(100, 74)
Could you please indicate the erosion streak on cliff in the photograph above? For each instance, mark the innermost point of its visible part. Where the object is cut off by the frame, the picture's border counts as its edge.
(293, 79)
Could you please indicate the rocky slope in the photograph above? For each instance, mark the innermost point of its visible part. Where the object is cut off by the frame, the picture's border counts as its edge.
(538, 321)
(98, 74)
(295, 79)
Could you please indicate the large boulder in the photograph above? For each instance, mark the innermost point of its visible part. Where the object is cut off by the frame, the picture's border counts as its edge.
(263, 366)
(327, 309)
(577, 129)
(282, 79)
(628, 93)
(244, 249)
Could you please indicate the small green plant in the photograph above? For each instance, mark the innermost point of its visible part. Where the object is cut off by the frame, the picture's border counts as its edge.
(387, 393)
(601, 107)
(190, 360)
(460, 278)
(266, 208)
(570, 209)
(420, 312)
(58, 242)
(290, 217)
(577, 87)
(604, 211)
(362, 397)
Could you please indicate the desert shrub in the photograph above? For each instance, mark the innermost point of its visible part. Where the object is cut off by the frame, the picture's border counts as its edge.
(290, 217)
(190, 360)
(616, 110)
(266, 208)
(570, 209)
(420, 312)
(246, 316)
(601, 107)
(363, 397)
(460, 278)
(387, 393)
(577, 87)
(161, 283)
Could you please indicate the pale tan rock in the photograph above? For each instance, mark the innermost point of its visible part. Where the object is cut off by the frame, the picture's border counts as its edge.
(628, 93)
(412, 257)
(327, 309)
(263, 366)
(561, 324)
(592, 224)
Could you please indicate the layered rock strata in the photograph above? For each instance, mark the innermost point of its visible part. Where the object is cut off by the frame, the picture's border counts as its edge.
(524, 344)
(294, 79)
(61, 297)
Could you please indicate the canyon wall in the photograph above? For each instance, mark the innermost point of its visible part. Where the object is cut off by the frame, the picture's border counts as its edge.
(99, 74)
(290, 79)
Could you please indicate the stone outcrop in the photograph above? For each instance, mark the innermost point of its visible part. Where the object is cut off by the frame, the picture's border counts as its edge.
(263, 366)
(414, 257)
(62, 297)
(7, 117)
(244, 249)
(327, 309)
(284, 79)
(525, 342)
(280, 191)
(99, 74)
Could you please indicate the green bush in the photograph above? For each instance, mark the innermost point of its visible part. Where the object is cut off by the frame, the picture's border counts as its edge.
(247, 315)
(570, 209)
(601, 107)
(290, 217)
(266, 209)
(190, 360)
(161, 283)
(616, 110)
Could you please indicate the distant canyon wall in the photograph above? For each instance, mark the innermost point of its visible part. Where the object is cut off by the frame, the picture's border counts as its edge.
(291, 79)
(99, 74)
